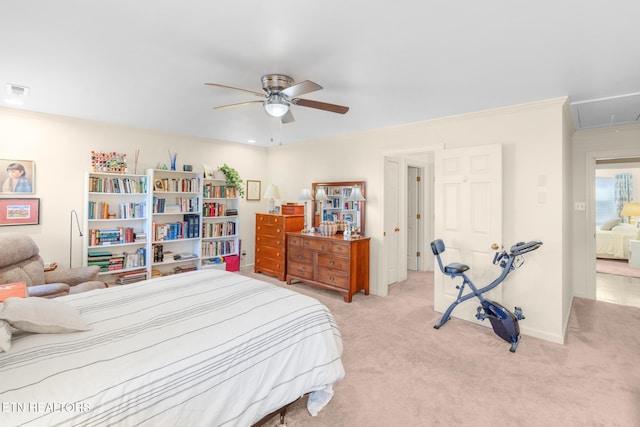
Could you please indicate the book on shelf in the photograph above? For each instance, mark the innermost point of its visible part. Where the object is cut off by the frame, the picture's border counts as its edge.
(131, 277)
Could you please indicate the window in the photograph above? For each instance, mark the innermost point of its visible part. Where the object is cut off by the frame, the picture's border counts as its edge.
(605, 200)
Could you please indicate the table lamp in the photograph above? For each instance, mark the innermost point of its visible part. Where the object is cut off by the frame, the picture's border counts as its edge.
(356, 196)
(632, 210)
(271, 194)
(305, 195)
(321, 197)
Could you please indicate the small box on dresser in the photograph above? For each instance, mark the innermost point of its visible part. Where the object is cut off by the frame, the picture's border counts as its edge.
(271, 238)
(329, 262)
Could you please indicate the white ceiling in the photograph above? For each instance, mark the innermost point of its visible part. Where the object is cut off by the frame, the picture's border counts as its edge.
(144, 63)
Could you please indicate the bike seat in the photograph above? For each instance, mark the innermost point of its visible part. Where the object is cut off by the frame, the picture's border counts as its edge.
(455, 268)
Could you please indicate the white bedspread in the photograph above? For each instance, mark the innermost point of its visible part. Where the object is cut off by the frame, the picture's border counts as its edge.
(204, 348)
(614, 243)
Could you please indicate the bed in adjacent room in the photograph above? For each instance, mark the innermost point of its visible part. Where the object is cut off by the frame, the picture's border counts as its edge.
(612, 240)
(204, 348)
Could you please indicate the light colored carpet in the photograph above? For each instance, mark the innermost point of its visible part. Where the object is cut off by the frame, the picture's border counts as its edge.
(619, 267)
(400, 371)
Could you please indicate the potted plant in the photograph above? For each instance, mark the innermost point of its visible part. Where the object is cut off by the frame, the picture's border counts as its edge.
(232, 178)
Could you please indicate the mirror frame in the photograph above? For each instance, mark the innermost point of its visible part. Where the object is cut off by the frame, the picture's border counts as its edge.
(314, 207)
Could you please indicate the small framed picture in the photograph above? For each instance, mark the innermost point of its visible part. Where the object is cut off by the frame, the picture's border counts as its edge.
(158, 185)
(17, 176)
(19, 211)
(253, 190)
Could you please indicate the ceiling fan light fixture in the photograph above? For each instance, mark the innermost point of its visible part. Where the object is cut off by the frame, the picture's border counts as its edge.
(276, 106)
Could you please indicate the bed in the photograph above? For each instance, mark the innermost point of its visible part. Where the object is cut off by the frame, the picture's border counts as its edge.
(204, 348)
(613, 242)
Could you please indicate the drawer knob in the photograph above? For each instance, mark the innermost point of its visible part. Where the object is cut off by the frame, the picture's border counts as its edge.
(299, 256)
(331, 278)
(332, 262)
(299, 270)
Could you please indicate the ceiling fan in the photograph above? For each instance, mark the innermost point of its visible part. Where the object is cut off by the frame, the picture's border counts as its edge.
(280, 93)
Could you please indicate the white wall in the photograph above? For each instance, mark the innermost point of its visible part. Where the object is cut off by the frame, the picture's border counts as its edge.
(535, 153)
(533, 136)
(61, 147)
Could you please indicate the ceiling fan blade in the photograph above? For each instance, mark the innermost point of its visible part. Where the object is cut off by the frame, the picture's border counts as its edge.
(237, 88)
(301, 88)
(239, 104)
(320, 105)
(287, 118)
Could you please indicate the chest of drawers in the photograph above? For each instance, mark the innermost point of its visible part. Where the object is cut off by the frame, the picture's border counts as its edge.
(271, 236)
(329, 262)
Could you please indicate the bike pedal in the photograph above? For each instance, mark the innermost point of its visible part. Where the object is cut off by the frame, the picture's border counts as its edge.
(518, 313)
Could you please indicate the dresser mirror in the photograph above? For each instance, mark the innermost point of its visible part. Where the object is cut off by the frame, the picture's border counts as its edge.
(337, 201)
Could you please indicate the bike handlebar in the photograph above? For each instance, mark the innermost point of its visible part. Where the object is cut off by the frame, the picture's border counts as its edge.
(522, 247)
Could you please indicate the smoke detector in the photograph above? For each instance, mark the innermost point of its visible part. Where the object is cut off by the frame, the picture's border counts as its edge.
(16, 94)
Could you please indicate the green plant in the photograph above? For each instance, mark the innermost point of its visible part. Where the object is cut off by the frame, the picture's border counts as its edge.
(232, 178)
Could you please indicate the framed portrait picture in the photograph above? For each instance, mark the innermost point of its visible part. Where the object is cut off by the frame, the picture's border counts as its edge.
(158, 185)
(253, 190)
(17, 176)
(19, 211)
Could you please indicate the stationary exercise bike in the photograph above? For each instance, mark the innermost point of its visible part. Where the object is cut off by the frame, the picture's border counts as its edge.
(503, 321)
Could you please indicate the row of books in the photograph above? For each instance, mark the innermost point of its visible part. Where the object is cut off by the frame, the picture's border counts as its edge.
(182, 204)
(212, 209)
(100, 210)
(117, 235)
(218, 248)
(131, 277)
(187, 229)
(107, 261)
(220, 191)
(218, 229)
(160, 254)
(186, 185)
(117, 185)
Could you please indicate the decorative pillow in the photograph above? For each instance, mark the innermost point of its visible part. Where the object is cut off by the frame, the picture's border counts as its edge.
(42, 315)
(5, 336)
(610, 224)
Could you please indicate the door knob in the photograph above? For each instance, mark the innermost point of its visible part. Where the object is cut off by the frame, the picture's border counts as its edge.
(495, 246)
(396, 229)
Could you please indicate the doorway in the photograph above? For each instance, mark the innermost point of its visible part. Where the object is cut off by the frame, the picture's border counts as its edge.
(616, 278)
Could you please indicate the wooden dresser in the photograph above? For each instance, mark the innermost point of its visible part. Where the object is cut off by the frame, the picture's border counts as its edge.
(271, 238)
(329, 262)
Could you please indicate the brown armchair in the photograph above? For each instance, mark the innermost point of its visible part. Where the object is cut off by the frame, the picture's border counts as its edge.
(20, 261)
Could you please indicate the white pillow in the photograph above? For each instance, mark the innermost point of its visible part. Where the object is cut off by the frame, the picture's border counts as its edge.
(5, 336)
(41, 315)
(610, 224)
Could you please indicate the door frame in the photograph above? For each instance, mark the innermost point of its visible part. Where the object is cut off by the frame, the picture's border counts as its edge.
(406, 157)
(590, 217)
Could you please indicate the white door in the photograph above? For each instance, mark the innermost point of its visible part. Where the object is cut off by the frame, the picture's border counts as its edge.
(414, 217)
(391, 217)
(468, 218)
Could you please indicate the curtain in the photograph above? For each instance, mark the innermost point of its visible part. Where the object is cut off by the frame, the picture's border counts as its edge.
(624, 189)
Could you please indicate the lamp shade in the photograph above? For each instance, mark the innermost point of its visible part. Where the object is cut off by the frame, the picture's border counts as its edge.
(321, 195)
(631, 209)
(272, 192)
(356, 195)
(305, 194)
